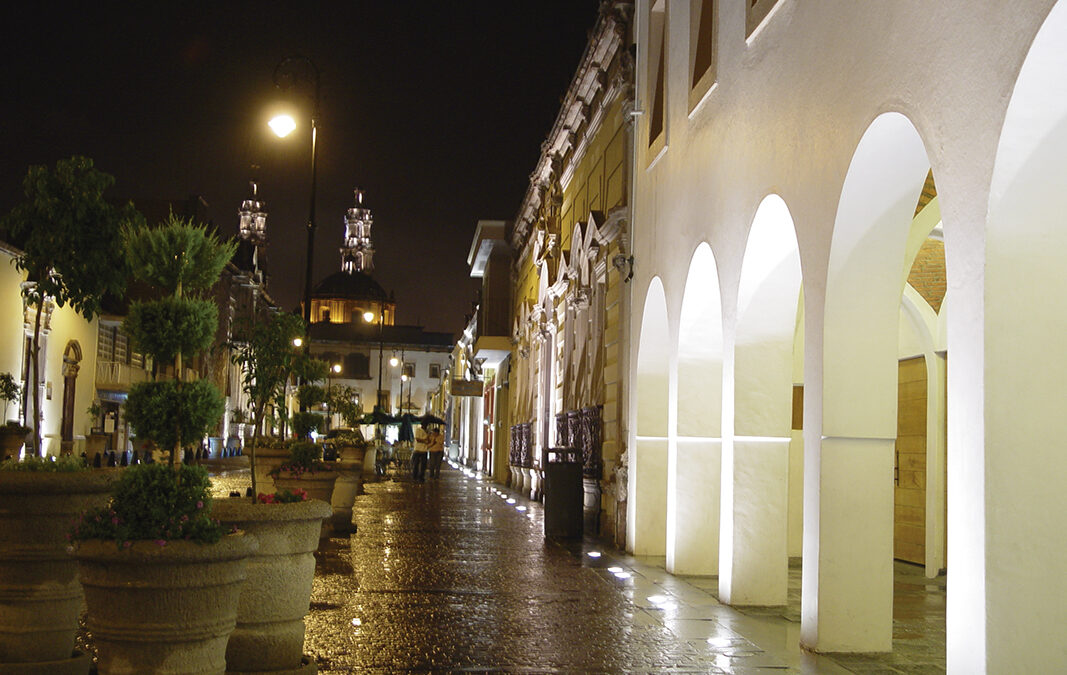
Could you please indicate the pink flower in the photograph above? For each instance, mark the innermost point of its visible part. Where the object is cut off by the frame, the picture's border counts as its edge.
(200, 504)
(115, 520)
(127, 544)
(161, 542)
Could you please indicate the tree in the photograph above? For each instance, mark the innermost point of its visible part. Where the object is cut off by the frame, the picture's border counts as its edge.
(268, 359)
(182, 259)
(69, 237)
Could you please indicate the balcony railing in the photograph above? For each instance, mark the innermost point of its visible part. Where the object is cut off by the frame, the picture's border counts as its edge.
(118, 376)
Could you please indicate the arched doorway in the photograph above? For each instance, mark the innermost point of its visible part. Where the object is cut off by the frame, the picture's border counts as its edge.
(647, 502)
(756, 459)
(847, 600)
(72, 356)
(695, 458)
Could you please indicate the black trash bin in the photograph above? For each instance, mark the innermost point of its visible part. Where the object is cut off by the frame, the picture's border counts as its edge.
(563, 492)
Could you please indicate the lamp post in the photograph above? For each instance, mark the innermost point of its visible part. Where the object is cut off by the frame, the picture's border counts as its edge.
(368, 316)
(282, 125)
(335, 369)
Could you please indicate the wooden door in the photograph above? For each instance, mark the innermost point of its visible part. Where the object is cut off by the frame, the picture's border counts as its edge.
(909, 530)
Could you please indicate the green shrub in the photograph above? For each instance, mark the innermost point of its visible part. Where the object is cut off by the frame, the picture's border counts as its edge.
(309, 395)
(155, 502)
(160, 411)
(306, 422)
(62, 464)
(164, 327)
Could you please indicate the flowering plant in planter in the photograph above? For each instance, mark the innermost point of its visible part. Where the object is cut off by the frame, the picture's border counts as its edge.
(150, 504)
(283, 497)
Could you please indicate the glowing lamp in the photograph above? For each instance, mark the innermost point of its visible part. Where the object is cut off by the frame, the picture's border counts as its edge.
(282, 125)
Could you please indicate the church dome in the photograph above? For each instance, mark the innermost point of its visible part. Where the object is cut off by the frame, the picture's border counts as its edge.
(349, 286)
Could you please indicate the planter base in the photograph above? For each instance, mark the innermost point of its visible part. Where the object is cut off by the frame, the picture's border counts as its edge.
(78, 664)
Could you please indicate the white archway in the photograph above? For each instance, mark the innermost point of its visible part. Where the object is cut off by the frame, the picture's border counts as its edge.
(755, 559)
(847, 599)
(1012, 597)
(694, 459)
(647, 502)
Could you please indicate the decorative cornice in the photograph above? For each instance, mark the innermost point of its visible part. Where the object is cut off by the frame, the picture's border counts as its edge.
(583, 108)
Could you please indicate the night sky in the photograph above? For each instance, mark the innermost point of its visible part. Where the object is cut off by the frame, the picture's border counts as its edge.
(437, 110)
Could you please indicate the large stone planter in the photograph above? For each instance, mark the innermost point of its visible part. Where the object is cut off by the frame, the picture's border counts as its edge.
(277, 591)
(40, 597)
(317, 484)
(163, 609)
(12, 440)
(267, 460)
(349, 485)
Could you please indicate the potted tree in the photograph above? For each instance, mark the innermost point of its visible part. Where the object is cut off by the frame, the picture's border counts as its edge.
(12, 434)
(161, 580)
(277, 594)
(267, 357)
(97, 441)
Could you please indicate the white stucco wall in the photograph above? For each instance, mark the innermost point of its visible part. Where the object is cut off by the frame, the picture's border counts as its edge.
(788, 112)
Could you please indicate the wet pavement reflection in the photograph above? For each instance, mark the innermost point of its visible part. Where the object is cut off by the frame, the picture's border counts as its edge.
(456, 575)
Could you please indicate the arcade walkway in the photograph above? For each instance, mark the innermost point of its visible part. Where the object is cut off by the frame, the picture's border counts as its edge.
(448, 576)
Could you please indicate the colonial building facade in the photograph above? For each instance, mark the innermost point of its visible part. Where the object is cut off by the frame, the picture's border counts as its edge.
(571, 247)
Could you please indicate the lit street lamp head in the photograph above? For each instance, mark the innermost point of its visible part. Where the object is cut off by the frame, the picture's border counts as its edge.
(368, 316)
(282, 125)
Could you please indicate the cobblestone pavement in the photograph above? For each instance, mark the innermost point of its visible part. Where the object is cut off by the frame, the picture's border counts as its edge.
(455, 575)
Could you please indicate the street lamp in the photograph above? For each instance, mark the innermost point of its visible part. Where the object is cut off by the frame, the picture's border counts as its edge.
(283, 125)
(368, 317)
(335, 369)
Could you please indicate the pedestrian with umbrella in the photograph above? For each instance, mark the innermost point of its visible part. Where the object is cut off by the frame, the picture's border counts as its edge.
(435, 446)
(418, 457)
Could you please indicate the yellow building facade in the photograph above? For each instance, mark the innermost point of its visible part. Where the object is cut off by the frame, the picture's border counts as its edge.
(571, 270)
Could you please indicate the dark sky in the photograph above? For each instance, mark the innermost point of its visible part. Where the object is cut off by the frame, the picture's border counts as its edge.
(436, 109)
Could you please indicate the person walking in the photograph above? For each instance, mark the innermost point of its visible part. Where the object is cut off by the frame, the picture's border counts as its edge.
(418, 460)
(435, 445)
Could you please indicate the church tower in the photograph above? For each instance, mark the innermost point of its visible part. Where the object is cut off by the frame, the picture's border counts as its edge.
(252, 234)
(357, 254)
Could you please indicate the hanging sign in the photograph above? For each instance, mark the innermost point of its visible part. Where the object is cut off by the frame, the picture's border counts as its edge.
(467, 387)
